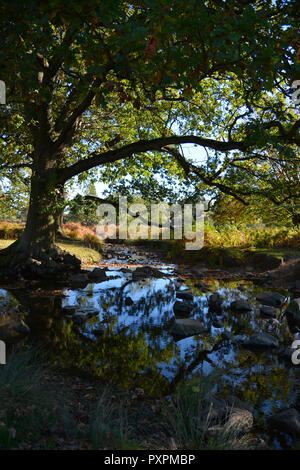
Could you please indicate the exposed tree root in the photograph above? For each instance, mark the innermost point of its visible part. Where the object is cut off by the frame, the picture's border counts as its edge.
(36, 261)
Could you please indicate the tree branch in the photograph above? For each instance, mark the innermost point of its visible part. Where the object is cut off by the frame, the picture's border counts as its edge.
(141, 146)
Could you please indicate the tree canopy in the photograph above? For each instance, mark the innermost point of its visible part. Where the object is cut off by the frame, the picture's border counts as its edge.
(123, 86)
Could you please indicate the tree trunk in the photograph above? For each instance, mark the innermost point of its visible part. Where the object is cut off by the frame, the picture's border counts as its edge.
(35, 254)
(59, 229)
(59, 217)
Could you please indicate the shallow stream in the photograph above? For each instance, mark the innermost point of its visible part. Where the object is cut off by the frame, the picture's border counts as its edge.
(131, 344)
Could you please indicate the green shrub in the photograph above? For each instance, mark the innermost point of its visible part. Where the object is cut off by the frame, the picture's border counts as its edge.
(93, 241)
(11, 231)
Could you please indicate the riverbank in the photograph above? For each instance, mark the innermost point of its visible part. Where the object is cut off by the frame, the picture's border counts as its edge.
(141, 329)
(78, 248)
(46, 408)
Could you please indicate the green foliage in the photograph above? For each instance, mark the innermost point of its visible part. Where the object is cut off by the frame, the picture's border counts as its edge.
(82, 211)
(228, 210)
(13, 201)
(97, 84)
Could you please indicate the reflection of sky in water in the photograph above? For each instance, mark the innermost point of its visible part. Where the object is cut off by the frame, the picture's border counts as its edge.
(153, 301)
(4, 297)
(262, 379)
(7, 302)
(152, 308)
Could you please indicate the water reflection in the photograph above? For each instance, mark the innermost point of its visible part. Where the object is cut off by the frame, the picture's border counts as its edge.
(136, 347)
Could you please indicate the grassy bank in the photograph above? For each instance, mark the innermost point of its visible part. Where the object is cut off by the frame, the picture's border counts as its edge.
(224, 236)
(234, 245)
(226, 244)
(247, 236)
(78, 248)
(75, 231)
(232, 256)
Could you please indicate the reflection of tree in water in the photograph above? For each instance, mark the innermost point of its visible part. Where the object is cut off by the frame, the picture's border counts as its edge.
(261, 379)
(137, 342)
(118, 356)
(151, 311)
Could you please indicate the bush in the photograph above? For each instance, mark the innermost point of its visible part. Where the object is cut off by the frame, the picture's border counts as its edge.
(93, 241)
(71, 234)
(11, 231)
(233, 235)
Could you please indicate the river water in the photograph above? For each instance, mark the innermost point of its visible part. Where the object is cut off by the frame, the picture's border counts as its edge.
(130, 343)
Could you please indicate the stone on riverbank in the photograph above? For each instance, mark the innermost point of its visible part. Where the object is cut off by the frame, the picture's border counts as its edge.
(187, 327)
(97, 275)
(215, 302)
(240, 306)
(261, 341)
(293, 312)
(144, 272)
(268, 311)
(185, 294)
(69, 310)
(82, 315)
(273, 299)
(287, 421)
(12, 329)
(78, 280)
(182, 307)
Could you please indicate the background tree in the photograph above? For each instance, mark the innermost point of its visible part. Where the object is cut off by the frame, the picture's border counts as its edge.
(83, 210)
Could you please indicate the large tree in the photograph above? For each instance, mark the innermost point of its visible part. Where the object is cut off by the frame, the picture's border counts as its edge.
(213, 74)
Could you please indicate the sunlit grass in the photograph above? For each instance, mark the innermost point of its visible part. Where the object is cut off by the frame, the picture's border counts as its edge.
(77, 248)
(87, 255)
(5, 243)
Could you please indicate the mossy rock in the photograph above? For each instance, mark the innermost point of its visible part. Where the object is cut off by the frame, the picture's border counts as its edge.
(216, 256)
(264, 261)
(233, 257)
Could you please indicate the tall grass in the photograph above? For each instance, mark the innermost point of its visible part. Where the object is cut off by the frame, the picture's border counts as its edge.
(230, 235)
(190, 424)
(28, 405)
(109, 426)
